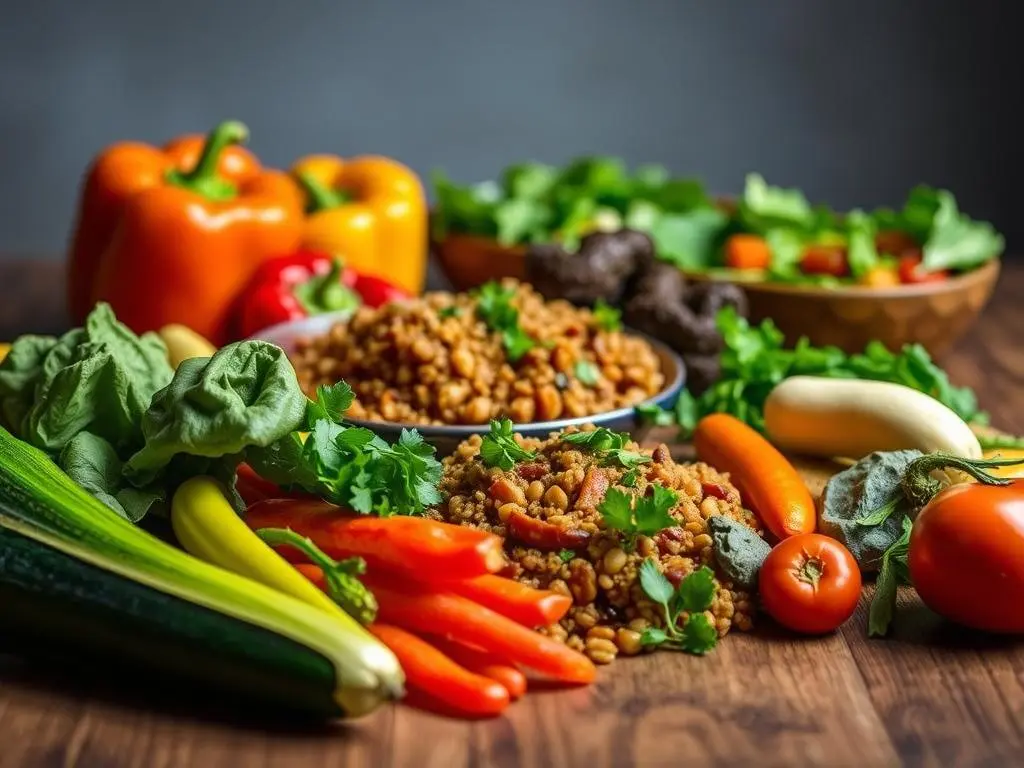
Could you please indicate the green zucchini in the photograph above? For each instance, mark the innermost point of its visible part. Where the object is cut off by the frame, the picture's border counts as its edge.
(73, 571)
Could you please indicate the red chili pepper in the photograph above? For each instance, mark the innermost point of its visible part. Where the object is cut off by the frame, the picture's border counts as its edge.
(541, 534)
(306, 283)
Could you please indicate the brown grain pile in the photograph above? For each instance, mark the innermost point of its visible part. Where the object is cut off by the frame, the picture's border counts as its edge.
(552, 502)
(433, 361)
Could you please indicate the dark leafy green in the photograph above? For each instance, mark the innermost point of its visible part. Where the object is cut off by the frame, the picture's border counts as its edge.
(754, 361)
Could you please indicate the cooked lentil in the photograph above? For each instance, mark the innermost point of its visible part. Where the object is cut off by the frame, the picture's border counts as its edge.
(610, 609)
(419, 362)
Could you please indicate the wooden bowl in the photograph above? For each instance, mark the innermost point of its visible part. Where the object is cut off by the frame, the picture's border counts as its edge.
(934, 315)
(471, 260)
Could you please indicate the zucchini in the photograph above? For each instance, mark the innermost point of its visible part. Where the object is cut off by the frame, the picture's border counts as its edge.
(70, 565)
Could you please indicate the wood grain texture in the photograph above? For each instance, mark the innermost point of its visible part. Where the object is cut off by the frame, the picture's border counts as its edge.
(930, 695)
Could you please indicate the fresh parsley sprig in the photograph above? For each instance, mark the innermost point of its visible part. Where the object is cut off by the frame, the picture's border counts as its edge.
(351, 466)
(609, 446)
(494, 307)
(500, 449)
(635, 516)
(693, 596)
(587, 373)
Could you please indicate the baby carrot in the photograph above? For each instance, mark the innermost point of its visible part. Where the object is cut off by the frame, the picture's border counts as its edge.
(485, 664)
(458, 618)
(767, 482)
(432, 674)
(526, 605)
(412, 546)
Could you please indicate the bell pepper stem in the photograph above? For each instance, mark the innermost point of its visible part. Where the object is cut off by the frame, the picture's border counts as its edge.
(204, 178)
(321, 197)
(326, 293)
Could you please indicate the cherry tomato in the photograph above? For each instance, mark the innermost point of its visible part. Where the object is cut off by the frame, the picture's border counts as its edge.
(911, 272)
(825, 260)
(810, 583)
(967, 555)
(743, 251)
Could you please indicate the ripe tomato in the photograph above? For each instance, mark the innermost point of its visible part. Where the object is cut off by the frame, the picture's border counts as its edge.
(910, 272)
(825, 260)
(810, 583)
(967, 555)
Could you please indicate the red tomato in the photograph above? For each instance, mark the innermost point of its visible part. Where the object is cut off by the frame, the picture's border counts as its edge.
(911, 273)
(810, 583)
(967, 555)
(825, 260)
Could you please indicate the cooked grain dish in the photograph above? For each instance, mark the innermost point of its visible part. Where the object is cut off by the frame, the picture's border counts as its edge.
(434, 361)
(555, 538)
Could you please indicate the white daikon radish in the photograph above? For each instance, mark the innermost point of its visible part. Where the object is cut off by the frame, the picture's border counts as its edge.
(852, 418)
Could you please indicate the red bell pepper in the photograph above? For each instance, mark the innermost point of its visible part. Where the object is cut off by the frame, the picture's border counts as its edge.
(303, 284)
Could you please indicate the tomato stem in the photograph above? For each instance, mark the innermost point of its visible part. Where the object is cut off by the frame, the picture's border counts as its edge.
(919, 486)
(811, 570)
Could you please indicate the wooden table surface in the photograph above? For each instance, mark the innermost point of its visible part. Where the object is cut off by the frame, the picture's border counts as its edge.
(932, 694)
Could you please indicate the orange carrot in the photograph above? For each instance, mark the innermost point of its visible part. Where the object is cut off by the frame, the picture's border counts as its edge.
(412, 546)
(765, 479)
(458, 618)
(743, 251)
(526, 605)
(485, 664)
(430, 673)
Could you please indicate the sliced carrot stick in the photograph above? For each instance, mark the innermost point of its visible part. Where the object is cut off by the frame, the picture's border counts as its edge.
(485, 664)
(412, 546)
(526, 605)
(430, 673)
(458, 618)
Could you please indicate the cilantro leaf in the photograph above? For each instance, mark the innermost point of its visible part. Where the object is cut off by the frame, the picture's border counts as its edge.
(332, 401)
(609, 446)
(616, 509)
(607, 317)
(630, 479)
(587, 373)
(495, 309)
(699, 635)
(566, 555)
(449, 311)
(652, 512)
(499, 448)
(653, 636)
(696, 592)
(653, 581)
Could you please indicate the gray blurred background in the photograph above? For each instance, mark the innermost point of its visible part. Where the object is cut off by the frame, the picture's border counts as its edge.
(854, 102)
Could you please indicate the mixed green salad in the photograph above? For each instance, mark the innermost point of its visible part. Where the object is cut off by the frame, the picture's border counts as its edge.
(768, 233)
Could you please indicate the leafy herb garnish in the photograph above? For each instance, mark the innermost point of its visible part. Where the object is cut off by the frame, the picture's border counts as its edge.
(694, 595)
(500, 449)
(609, 446)
(607, 317)
(450, 311)
(754, 361)
(587, 373)
(894, 573)
(565, 555)
(495, 309)
(630, 479)
(638, 516)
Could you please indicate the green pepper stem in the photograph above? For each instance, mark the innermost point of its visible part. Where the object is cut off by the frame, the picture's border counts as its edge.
(326, 293)
(204, 178)
(321, 197)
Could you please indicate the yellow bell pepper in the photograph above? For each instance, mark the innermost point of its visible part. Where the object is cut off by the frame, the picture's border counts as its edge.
(371, 211)
(4, 349)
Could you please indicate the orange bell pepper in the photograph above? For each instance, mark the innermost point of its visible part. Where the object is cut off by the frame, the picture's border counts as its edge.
(371, 211)
(172, 235)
